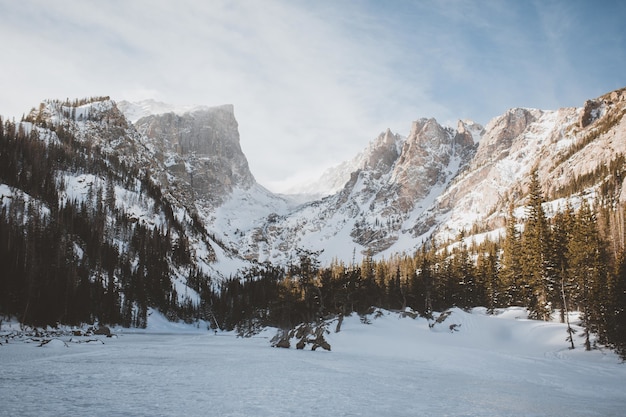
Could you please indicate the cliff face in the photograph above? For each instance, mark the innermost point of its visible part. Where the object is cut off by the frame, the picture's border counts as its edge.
(201, 151)
(438, 181)
(563, 145)
(430, 157)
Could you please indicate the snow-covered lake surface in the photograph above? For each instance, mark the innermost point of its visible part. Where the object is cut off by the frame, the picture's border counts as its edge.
(492, 366)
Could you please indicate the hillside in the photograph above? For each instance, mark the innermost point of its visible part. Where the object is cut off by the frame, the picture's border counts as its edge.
(92, 226)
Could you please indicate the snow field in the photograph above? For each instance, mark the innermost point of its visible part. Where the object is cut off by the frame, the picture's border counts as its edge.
(498, 365)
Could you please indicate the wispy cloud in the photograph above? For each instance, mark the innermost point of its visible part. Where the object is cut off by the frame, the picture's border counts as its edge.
(312, 82)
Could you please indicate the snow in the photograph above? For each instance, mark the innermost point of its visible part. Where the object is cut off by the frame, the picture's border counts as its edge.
(5, 194)
(500, 365)
(136, 110)
(9, 194)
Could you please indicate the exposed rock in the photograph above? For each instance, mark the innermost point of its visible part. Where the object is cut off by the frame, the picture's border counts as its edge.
(436, 324)
(301, 343)
(103, 330)
(306, 334)
(500, 134)
(589, 113)
(282, 343)
(399, 193)
(204, 151)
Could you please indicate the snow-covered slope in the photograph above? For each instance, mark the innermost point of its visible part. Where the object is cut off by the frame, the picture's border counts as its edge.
(558, 144)
(335, 178)
(394, 180)
(132, 154)
(208, 174)
(399, 191)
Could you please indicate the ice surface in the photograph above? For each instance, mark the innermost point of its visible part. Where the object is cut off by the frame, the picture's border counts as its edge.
(500, 365)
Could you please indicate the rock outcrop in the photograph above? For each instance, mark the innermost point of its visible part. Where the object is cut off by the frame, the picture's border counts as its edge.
(201, 150)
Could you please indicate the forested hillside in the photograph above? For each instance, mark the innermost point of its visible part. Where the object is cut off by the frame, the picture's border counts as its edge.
(84, 236)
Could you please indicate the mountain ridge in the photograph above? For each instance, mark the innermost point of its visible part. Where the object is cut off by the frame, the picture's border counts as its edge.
(434, 184)
(400, 192)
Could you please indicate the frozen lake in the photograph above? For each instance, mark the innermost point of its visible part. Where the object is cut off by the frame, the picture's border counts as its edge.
(493, 366)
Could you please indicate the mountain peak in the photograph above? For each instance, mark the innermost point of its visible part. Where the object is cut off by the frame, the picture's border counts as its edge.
(202, 148)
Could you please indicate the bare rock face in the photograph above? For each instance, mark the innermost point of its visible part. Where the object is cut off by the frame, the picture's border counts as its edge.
(397, 178)
(382, 153)
(590, 113)
(431, 156)
(467, 136)
(425, 156)
(202, 150)
(501, 132)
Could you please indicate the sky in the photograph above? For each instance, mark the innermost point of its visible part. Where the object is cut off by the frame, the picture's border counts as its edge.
(313, 82)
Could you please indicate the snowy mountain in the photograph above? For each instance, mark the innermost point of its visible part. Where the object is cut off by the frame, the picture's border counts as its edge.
(564, 146)
(439, 182)
(335, 178)
(395, 178)
(177, 178)
(102, 217)
(398, 193)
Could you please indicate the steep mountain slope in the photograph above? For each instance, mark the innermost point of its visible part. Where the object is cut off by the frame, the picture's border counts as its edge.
(396, 179)
(335, 178)
(206, 171)
(201, 150)
(398, 193)
(563, 145)
(440, 182)
(94, 217)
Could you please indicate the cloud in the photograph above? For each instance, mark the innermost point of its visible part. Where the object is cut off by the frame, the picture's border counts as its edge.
(312, 82)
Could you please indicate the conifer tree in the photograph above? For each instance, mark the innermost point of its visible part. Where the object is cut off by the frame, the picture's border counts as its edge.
(561, 232)
(487, 274)
(617, 307)
(516, 292)
(427, 280)
(538, 266)
(587, 268)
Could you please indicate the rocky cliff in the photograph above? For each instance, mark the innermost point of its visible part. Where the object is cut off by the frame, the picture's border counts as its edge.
(201, 150)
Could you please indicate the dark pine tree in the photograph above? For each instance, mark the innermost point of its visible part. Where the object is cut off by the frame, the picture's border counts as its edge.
(537, 264)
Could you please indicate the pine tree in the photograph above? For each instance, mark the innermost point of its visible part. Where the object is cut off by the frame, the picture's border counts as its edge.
(587, 268)
(465, 278)
(538, 265)
(561, 232)
(516, 291)
(487, 270)
(617, 308)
